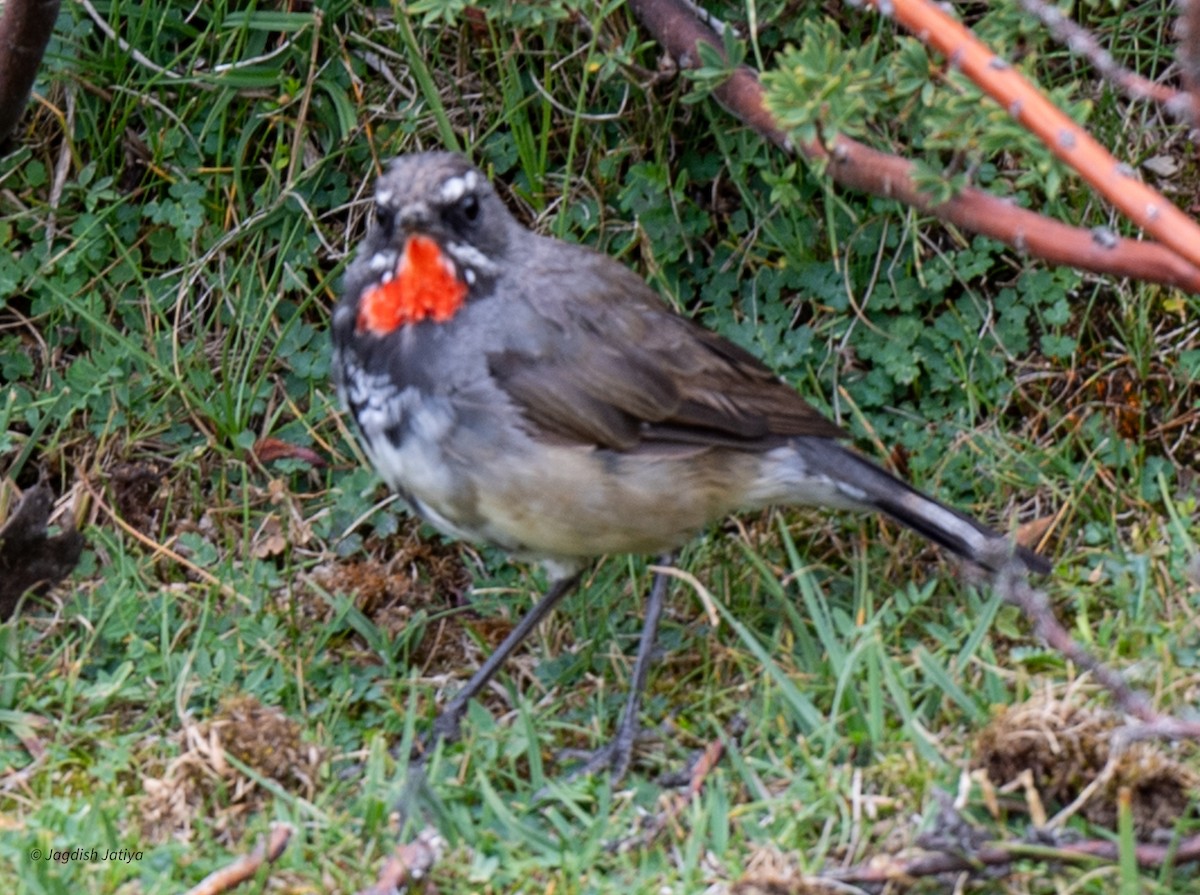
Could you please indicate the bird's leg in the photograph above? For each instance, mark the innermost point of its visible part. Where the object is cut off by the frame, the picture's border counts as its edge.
(447, 723)
(616, 754)
(417, 800)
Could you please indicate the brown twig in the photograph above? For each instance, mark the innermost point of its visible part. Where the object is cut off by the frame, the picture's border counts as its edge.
(246, 866)
(1158, 727)
(704, 766)
(408, 863)
(1013, 585)
(160, 549)
(1147, 855)
(677, 803)
(855, 165)
(25, 29)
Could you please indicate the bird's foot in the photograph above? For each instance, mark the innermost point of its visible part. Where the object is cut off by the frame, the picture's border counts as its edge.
(614, 757)
(446, 726)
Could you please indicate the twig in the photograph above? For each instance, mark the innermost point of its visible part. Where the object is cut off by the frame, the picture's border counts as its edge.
(246, 866)
(142, 59)
(1158, 727)
(702, 593)
(1078, 39)
(1187, 29)
(589, 117)
(704, 766)
(1147, 855)
(857, 166)
(25, 29)
(1113, 180)
(1012, 584)
(162, 549)
(314, 66)
(654, 825)
(408, 863)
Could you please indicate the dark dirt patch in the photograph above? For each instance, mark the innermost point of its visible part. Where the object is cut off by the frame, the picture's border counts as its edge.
(32, 559)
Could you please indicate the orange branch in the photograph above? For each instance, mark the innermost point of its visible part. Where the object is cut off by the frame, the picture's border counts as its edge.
(850, 163)
(1114, 180)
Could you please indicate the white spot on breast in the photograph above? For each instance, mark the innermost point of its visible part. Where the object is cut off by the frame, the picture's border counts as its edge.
(384, 263)
(402, 433)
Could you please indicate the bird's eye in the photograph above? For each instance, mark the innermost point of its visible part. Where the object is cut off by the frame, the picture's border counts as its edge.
(469, 206)
(385, 219)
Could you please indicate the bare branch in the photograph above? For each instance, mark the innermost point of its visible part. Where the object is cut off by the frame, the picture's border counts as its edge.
(1114, 180)
(25, 29)
(858, 166)
(1148, 855)
(246, 866)
(1187, 29)
(1078, 39)
(1013, 585)
(409, 863)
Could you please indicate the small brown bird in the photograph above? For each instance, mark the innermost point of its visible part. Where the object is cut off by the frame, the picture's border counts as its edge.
(538, 396)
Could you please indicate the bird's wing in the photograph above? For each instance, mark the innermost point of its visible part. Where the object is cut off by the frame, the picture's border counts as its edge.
(617, 368)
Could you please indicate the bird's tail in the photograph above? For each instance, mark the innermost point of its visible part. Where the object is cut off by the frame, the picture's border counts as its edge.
(868, 486)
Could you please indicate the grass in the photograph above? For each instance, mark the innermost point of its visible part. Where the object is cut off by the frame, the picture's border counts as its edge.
(175, 247)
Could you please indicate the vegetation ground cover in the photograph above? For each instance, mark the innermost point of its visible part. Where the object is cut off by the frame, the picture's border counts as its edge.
(254, 625)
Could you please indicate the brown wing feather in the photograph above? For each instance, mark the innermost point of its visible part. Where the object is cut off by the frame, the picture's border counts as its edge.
(623, 370)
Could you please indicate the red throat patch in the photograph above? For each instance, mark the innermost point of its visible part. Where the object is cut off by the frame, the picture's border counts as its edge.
(425, 286)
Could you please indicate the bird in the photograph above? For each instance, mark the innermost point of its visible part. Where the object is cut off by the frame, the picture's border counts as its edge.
(538, 396)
